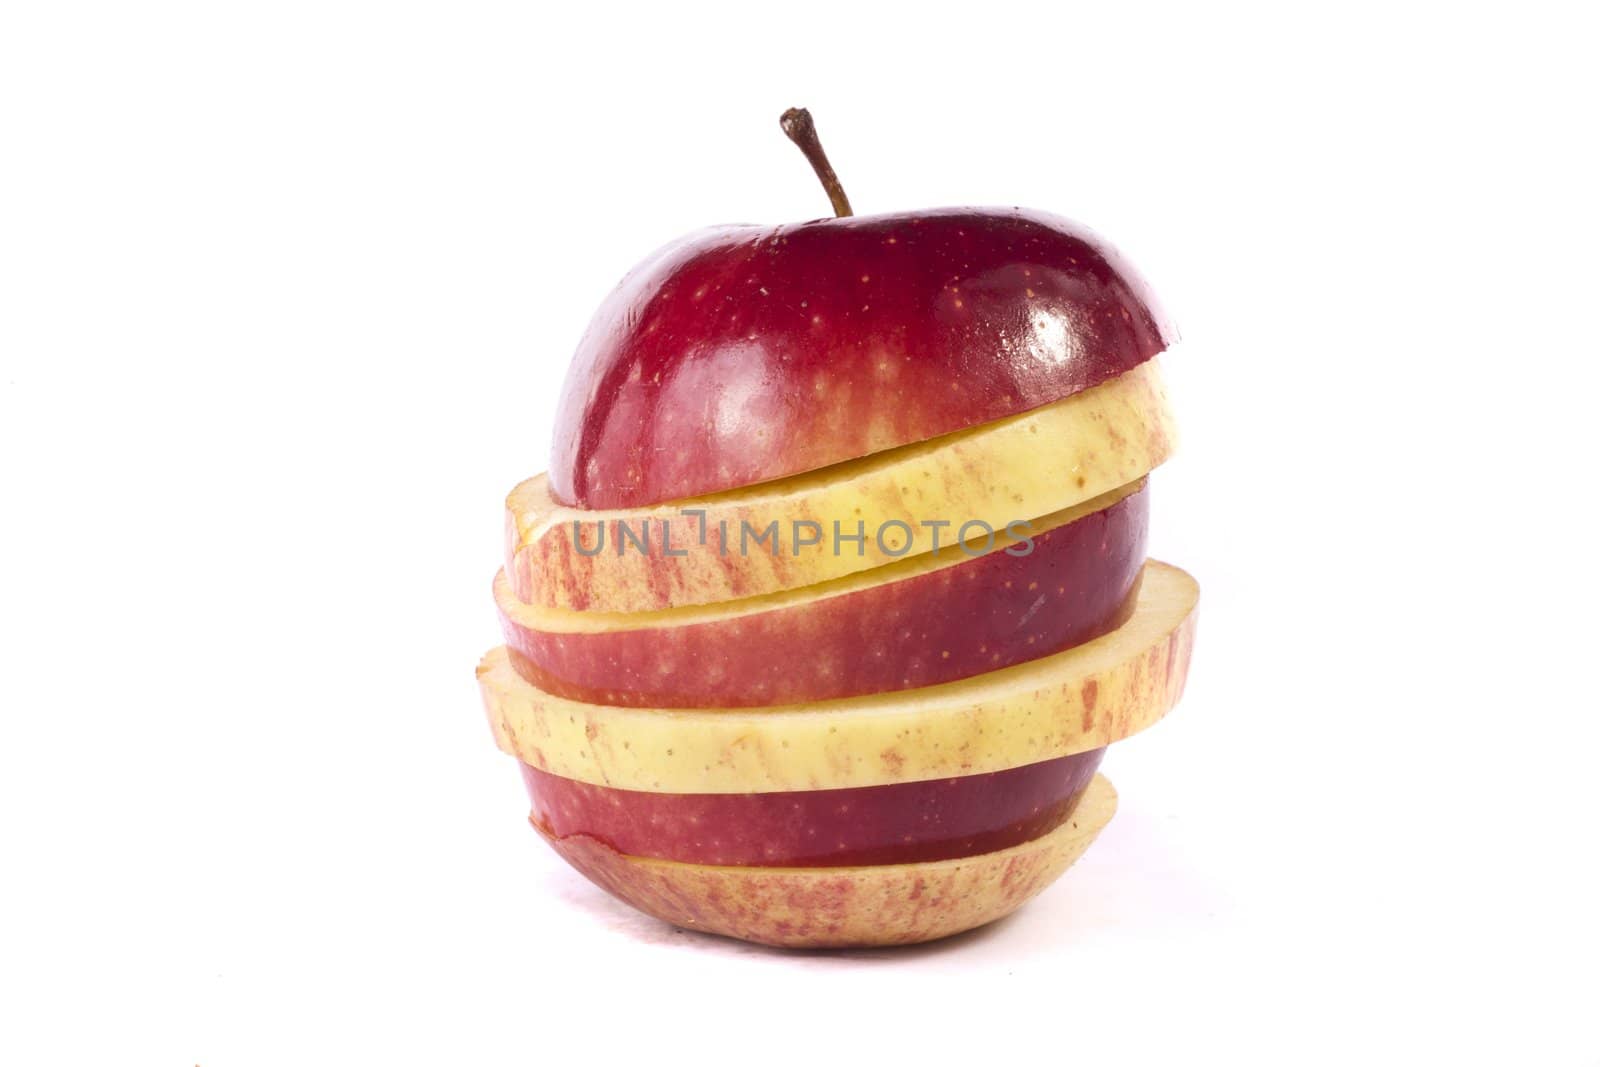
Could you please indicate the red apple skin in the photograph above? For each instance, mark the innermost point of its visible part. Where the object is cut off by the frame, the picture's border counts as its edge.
(741, 354)
(844, 907)
(983, 614)
(912, 822)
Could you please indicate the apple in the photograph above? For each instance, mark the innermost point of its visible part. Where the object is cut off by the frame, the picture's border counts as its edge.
(922, 621)
(744, 354)
(699, 552)
(906, 823)
(747, 693)
(836, 907)
(1083, 698)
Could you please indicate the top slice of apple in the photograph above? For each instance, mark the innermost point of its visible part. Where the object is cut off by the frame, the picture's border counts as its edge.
(739, 355)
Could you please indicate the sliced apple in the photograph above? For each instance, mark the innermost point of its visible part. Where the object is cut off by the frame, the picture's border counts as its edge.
(907, 823)
(1073, 701)
(840, 907)
(782, 535)
(922, 621)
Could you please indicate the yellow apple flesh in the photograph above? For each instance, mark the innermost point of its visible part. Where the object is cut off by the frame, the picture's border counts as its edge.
(1083, 698)
(759, 540)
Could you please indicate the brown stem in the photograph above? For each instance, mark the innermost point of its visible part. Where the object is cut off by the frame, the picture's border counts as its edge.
(796, 122)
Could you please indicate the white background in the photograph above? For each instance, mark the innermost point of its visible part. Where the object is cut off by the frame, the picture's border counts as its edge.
(286, 295)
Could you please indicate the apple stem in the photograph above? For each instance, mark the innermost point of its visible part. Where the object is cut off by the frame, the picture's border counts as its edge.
(796, 122)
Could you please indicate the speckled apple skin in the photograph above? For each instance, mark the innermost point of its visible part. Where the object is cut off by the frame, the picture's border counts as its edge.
(911, 823)
(844, 907)
(741, 354)
(982, 614)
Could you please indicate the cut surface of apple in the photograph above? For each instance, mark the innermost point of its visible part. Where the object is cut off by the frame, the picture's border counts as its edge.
(908, 823)
(1073, 701)
(843, 519)
(922, 621)
(743, 354)
(837, 907)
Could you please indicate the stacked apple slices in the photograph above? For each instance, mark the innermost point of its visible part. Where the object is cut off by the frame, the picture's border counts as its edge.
(836, 591)
(780, 713)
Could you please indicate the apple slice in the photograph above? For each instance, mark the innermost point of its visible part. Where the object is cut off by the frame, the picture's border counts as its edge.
(922, 621)
(1073, 701)
(841, 907)
(803, 530)
(907, 823)
(742, 354)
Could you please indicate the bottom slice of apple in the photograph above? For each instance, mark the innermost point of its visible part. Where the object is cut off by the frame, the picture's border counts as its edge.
(908, 822)
(842, 907)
